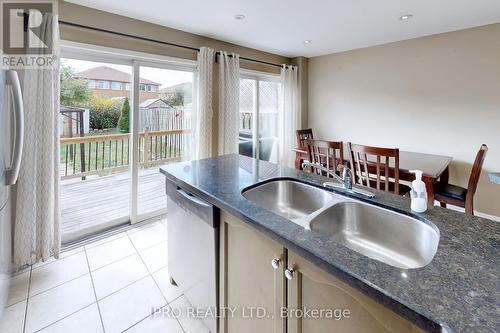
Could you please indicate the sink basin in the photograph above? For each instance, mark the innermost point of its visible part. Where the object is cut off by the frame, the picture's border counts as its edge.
(290, 199)
(381, 234)
(378, 233)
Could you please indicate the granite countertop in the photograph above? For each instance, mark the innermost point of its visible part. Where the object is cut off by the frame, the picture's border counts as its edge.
(459, 290)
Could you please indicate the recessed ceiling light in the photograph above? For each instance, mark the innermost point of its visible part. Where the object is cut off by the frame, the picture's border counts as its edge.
(239, 17)
(307, 41)
(406, 17)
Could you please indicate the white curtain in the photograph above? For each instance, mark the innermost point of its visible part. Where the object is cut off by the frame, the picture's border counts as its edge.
(289, 115)
(204, 113)
(229, 102)
(37, 216)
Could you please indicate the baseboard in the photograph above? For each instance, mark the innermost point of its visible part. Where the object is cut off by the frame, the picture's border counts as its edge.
(476, 213)
(487, 216)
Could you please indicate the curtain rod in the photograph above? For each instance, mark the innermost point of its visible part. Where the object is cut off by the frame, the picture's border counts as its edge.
(253, 60)
(122, 34)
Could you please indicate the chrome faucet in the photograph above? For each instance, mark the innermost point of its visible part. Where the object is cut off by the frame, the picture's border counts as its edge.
(345, 181)
(316, 167)
(346, 177)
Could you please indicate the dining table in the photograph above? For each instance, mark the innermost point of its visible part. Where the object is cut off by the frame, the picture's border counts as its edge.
(433, 167)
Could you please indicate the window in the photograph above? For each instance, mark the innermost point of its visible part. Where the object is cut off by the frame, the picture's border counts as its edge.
(127, 86)
(91, 84)
(101, 84)
(142, 87)
(152, 88)
(259, 116)
(116, 85)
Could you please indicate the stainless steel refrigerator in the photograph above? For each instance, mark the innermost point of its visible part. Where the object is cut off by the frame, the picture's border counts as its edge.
(11, 148)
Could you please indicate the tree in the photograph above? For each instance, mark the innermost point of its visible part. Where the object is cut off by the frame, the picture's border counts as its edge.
(104, 113)
(74, 91)
(123, 123)
(175, 99)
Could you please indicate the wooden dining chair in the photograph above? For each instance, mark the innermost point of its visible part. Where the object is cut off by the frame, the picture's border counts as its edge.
(303, 135)
(371, 167)
(459, 196)
(329, 154)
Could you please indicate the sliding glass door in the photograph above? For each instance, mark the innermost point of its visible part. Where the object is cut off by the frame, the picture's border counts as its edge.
(122, 117)
(164, 131)
(94, 146)
(259, 116)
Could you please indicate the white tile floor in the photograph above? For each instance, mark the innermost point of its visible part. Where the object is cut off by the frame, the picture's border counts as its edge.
(107, 286)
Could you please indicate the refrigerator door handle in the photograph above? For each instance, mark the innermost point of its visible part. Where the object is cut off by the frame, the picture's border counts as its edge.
(17, 150)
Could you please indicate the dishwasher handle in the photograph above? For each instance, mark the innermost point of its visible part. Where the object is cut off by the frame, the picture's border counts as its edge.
(191, 203)
(192, 198)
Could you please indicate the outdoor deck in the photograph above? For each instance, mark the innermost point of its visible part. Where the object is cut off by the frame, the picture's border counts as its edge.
(87, 206)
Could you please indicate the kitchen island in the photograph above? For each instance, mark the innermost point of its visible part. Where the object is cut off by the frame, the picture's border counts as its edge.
(456, 292)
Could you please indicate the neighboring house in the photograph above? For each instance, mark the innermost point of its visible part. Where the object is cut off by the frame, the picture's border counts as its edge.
(108, 82)
(184, 89)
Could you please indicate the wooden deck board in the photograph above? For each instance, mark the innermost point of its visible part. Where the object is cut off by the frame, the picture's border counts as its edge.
(93, 202)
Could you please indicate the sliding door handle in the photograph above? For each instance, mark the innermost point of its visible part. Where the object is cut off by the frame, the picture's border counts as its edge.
(17, 148)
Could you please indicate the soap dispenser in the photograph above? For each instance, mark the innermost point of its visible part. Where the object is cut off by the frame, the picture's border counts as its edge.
(418, 193)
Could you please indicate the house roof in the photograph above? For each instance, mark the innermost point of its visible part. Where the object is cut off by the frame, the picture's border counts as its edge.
(67, 109)
(110, 74)
(151, 101)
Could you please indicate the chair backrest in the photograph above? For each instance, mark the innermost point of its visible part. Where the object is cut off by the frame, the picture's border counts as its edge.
(476, 172)
(303, 135)
(370, 164)
(329, 154)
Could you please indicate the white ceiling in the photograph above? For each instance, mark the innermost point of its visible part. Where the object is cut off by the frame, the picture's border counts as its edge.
(281, 26)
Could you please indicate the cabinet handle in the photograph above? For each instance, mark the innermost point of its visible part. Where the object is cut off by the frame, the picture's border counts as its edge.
(276, 263)
(289, 273)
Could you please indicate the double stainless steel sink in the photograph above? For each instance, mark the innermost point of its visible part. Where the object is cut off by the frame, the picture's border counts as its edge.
(381, 234)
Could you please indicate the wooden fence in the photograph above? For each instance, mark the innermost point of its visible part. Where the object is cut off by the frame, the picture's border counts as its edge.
(106, 154)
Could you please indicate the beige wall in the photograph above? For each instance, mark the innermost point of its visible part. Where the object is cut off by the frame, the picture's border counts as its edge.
(438, 94)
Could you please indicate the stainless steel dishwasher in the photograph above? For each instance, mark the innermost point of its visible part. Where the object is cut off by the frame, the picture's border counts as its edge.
(193, 242)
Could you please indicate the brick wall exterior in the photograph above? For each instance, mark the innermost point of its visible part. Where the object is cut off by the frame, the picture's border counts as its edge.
(109, 93)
